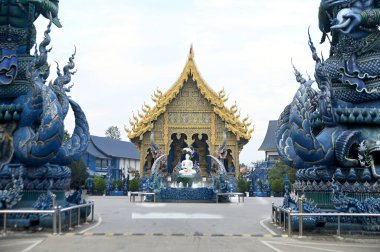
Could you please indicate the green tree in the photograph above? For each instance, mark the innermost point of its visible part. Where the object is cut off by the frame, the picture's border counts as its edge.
(113, 132)
(99, 184)
(117, 183)
(134, 185)
(276, 176)
(66, 136)
(242, 185)
(79, 174)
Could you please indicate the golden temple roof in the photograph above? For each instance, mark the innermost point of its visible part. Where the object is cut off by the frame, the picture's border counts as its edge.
(143, 122)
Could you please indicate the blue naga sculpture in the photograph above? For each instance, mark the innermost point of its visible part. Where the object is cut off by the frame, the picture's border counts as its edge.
(321, 130)
(333, 133)
(32, 112)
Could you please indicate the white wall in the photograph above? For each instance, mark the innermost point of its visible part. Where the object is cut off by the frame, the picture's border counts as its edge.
(128, 163)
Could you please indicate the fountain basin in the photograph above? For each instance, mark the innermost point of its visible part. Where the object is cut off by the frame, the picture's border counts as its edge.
(202, 194)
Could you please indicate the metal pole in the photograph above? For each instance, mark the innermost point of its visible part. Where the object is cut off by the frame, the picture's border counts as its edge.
(284, 222)
(92, 211)
(70, 220)
(54, 215)
(300, 218)
(59, 220)
(280, 221)
(290, 223)
(5, 224)
(78, 217)
(275, 216)
(338, 231)
(85, 217)
(272, 212)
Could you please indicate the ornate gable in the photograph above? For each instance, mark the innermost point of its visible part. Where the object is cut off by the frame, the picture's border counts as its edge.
(190, 84)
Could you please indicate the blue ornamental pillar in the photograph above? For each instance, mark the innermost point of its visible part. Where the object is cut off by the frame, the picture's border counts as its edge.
(90, 185)
(143, 186)
(108, 185)
(286, 183)
(125, 187)
(250, 189)
(231, 184)
(267, 187)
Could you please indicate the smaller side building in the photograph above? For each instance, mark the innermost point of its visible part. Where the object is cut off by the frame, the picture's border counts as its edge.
(105, 154)
(269, 143)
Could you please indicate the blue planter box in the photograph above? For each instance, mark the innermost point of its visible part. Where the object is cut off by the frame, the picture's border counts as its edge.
(116, 193)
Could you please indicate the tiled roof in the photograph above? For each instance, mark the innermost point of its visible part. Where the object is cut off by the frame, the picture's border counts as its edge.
(114, 148)
(269, 143)
(93, 151)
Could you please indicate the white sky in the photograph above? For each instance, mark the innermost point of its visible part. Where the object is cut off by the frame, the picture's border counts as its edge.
(127, 48)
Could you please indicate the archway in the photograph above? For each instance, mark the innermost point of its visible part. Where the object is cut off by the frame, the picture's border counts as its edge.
(176, 146)
(202, 148)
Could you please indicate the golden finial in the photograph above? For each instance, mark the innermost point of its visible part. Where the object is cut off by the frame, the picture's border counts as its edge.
(134, 117)
(191, 52)
(157, 93)
(139, 114)
(154, 98)
(144, 109)
(245, 120)
(234, 108)
(238, 115)
(147, 106)
(222, 93)
(249, 123)
(130, 122)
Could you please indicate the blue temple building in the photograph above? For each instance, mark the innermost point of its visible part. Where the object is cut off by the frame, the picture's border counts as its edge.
(258, 172)
(269, 144)
(104, 154)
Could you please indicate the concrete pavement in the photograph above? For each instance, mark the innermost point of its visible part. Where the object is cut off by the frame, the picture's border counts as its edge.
(125, 226)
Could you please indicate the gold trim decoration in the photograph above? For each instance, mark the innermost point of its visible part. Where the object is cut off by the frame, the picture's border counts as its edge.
(166, 132)
(213, 129)
(142, 123)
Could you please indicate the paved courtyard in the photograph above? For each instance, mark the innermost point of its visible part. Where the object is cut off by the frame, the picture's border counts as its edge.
(124, 226)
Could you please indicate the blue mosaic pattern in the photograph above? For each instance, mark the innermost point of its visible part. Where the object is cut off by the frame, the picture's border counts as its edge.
(186, 194)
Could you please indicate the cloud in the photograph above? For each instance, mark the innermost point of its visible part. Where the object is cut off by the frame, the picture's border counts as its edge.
(125, 49)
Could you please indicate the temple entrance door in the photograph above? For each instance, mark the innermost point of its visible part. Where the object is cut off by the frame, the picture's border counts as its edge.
(176, 147)
(200, 145)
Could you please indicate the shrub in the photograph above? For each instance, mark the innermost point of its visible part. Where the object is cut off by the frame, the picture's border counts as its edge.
(242, 185)
(99, 184)
(119, 184)
(134, 185)
(79, 174)
(276, 176)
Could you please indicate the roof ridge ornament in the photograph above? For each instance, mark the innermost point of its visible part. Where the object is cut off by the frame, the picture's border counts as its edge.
(191, 52)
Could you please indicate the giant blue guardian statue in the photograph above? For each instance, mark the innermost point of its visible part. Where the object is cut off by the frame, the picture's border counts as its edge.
(332, 134)
(33, 155)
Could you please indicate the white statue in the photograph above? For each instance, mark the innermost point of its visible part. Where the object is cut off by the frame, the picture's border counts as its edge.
(187, 164)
